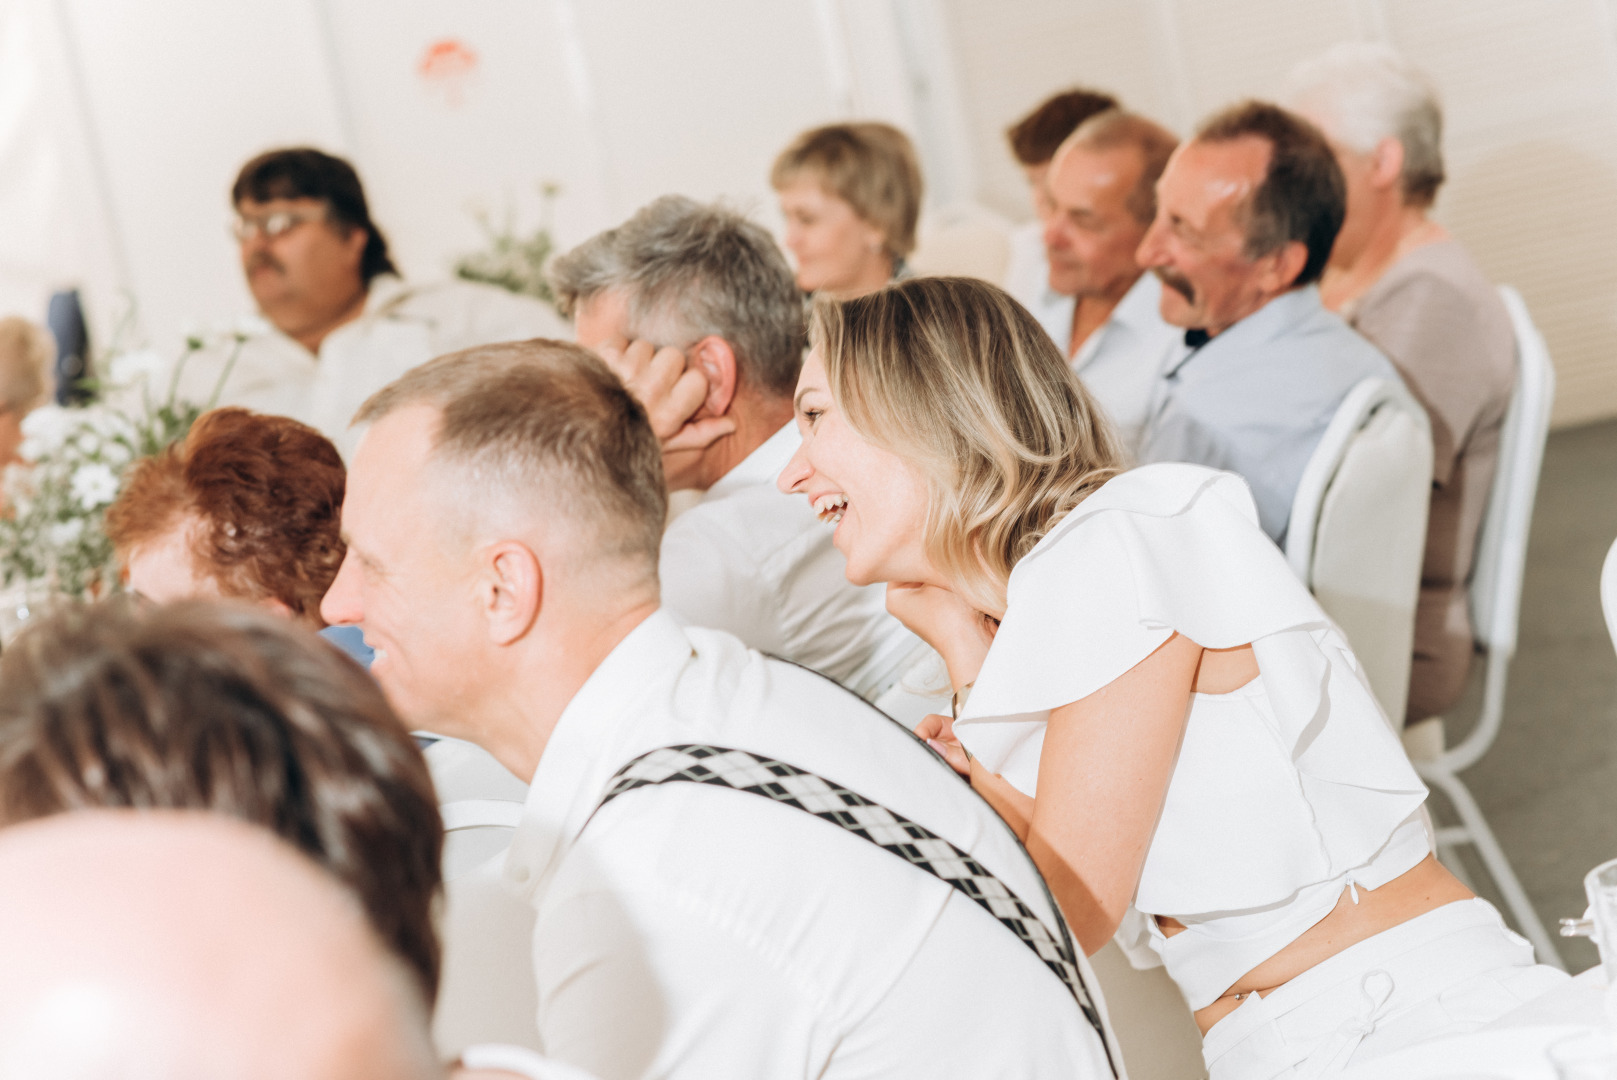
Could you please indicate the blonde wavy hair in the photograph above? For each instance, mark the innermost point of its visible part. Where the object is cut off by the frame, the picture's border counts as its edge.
(957, 378)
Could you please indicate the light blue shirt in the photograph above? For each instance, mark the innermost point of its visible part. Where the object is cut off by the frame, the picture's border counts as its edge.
(1256, 399)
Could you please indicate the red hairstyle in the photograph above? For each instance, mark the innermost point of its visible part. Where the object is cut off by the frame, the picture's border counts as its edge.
(265, 495)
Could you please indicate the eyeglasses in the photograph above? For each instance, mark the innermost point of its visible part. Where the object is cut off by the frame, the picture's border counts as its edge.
(270, 226)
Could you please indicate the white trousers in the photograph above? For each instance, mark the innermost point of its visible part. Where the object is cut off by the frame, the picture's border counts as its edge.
(1449, 971)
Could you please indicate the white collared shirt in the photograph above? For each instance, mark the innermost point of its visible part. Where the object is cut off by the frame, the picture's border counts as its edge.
(760, 564)
(1123, 359)
(403, 325)
(696, 932)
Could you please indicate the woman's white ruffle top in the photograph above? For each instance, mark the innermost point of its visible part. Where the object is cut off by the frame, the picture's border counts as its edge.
(1284, 791)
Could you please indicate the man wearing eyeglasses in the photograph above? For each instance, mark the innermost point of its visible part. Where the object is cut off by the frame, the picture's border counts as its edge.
(344, 323)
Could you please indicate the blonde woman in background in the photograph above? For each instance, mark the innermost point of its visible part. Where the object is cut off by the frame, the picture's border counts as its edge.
(1160, 709)
(26, 352)
(851, 195)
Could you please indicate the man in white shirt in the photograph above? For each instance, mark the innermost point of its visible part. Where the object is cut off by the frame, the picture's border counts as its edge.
(504, 518)
(696, 309)
(341, 322)
(1102, 186)
(1034, 140)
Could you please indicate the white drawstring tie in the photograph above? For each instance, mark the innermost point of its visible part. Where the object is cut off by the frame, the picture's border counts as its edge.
(1331, 1055)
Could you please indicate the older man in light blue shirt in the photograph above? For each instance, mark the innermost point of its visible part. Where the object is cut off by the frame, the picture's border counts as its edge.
(1247, 213)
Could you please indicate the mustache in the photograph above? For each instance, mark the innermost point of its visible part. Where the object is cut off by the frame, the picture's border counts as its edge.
(259, 260)
(1176, 282)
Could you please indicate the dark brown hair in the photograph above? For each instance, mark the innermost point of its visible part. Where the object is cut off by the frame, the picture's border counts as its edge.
(266, 493)
(302, 172)
(1303, 197)
(1037, 136)
(234, 710)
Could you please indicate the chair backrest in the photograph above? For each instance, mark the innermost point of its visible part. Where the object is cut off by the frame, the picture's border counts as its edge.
(1496, 580)
(1608, 592)
(1357, 534)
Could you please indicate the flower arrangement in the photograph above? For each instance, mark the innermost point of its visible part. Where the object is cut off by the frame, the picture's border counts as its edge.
(511, 261)
(53, 539)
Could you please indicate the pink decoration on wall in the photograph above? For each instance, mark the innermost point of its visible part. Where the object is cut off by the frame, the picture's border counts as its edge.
(447, 68)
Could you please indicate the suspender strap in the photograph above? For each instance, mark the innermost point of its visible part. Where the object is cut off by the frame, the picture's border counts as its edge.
(917, 845)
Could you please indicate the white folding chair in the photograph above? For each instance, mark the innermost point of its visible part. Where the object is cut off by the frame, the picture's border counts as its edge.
(1608, 592)
(1496, 593)
(1357, 533)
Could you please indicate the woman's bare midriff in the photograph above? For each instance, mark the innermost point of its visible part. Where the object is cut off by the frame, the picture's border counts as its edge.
(1423, 888)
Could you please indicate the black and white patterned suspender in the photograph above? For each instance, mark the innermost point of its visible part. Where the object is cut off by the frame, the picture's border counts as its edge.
(742, 771)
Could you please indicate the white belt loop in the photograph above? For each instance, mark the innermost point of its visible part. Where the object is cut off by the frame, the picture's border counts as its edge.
(1332, 1054)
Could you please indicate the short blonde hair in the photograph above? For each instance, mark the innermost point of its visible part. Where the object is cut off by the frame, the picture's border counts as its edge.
(871, 167)
(956, 377)
(26, 355)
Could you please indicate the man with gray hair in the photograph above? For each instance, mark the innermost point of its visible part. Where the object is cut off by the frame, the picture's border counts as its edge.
(738, 868)
(1403, 282)
(696, 309)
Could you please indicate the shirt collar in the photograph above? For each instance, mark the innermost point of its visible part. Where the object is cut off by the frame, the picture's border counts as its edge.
(1139, 309)
(762, 466)
(1273, 320)
(606, 724)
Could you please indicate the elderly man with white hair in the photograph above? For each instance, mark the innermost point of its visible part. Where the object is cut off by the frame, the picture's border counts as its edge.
(1402, 281)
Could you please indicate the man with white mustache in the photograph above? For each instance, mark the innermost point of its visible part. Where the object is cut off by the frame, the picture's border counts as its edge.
(1247, 212)
(341, 322)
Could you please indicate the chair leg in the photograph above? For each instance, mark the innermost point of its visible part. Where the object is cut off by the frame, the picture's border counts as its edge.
(1493, 857)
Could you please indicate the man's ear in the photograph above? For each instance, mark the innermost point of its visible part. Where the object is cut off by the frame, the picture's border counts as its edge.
(510, 590)
(1387, 162)
(717, 361)
(1283, 267)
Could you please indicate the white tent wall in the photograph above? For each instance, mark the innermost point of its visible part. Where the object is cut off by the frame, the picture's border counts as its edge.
(122, 122)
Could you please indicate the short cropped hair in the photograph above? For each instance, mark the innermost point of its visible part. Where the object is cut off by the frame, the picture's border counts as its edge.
(1037, 136)
(305, 173)
(1371, 92)
(546, 422)
(958, 379)
(263, 496)
(871, 167)
(27, 354)
(1154, 144)
(1303, 197)
(234, 710)
(689, 270)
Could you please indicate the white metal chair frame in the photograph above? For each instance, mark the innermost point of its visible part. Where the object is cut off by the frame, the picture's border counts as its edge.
(1314, 488)
(1496, 592)
(1608, 592)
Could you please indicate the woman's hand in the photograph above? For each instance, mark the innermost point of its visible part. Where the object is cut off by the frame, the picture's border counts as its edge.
(938, 733)
(957, 631)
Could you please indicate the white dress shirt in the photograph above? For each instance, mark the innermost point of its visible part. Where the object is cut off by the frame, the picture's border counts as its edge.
(403, 325)
(694, 932)
(1027, 279)
(759, 564)
(1122, 360)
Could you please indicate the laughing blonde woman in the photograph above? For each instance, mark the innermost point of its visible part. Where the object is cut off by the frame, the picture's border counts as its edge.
(1157, 705)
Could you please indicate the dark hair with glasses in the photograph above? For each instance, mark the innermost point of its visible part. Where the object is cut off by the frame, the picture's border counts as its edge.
(305, 173)
(229, 709)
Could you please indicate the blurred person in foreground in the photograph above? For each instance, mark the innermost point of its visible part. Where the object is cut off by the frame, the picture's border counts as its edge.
(1247, 211)
(1403, 282)
(851, 196)
(1034, 140)
(185, 945)
(694, 307)
(245, 506)
(26, 381)
(343, 322)
(233, 710)
(1102, 187)
(504, 517)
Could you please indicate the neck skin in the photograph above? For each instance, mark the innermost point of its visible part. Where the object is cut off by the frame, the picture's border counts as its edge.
(1394, 234)
(312, 337)
(1090, 313)
(546, 672)
(874, 273)
(757, 418)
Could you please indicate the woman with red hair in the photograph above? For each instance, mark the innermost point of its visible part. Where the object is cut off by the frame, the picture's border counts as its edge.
(246, 506)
